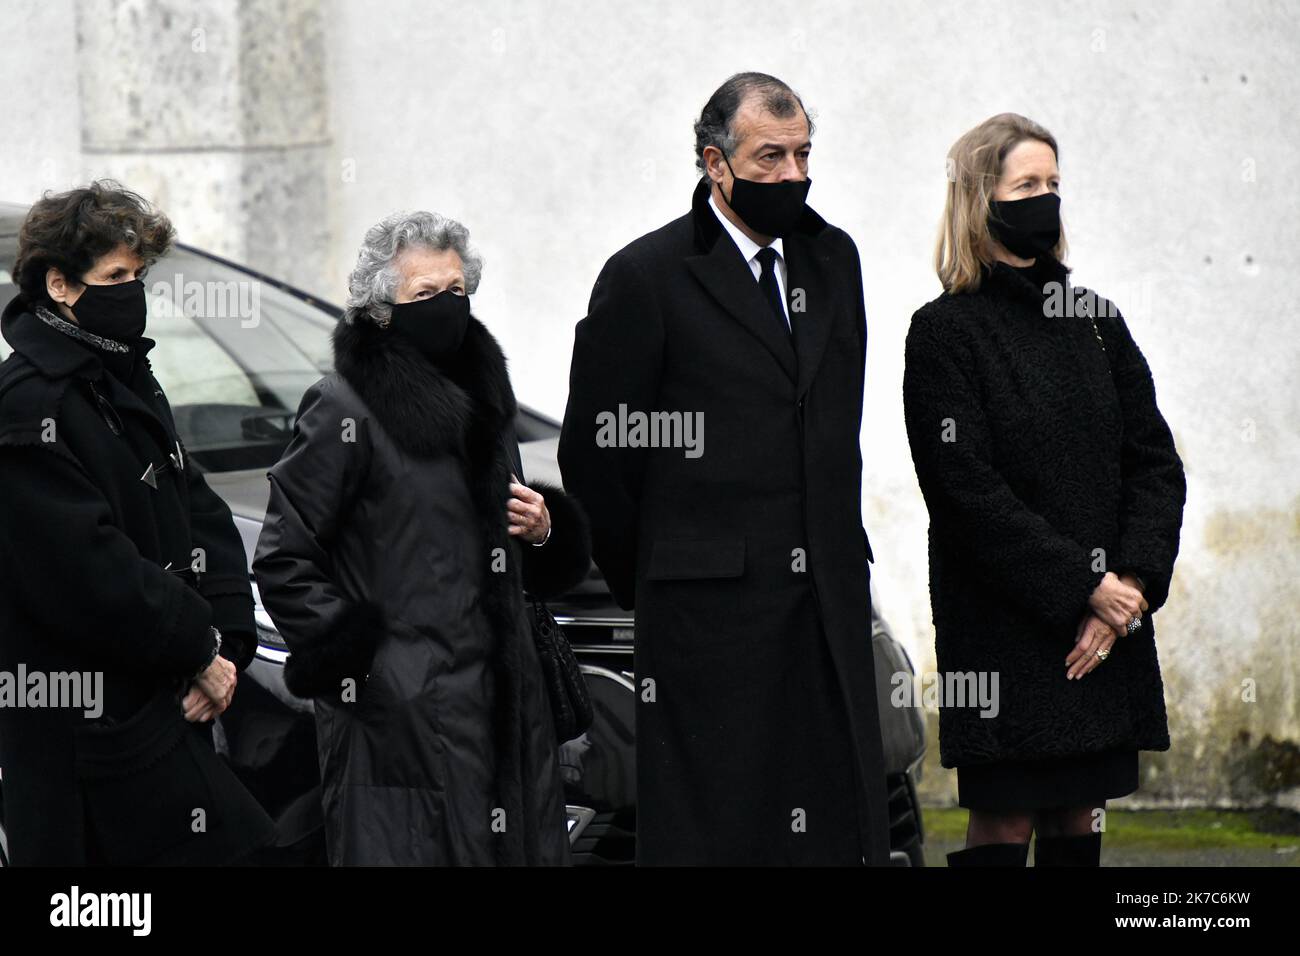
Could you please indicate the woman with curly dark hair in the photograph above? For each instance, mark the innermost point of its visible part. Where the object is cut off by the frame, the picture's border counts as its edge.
(121, 572)
(1056, 497)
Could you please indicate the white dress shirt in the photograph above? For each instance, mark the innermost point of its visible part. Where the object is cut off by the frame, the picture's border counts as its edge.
(749, 251)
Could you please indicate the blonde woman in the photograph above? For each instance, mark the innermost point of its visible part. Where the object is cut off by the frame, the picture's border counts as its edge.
(1055, 495)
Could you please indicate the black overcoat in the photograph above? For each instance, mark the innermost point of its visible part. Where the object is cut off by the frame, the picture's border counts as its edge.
(1044, 462)
(85, 544)
(386, 565)
(758, 736)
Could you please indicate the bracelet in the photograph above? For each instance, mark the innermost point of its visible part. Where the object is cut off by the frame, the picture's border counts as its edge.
(550, 528)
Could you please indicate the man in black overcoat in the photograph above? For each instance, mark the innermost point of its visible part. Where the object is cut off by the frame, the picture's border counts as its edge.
(712, 432)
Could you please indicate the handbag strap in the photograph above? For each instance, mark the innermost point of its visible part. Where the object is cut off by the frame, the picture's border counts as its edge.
(1086, 303)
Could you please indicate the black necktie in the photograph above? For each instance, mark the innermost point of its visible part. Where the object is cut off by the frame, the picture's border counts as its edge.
(767, 283)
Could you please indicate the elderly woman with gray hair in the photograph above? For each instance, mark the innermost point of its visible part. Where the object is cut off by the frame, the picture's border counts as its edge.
(398, 542)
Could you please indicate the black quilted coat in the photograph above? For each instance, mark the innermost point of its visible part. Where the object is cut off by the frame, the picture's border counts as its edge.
(385, 563)
(1044, 461)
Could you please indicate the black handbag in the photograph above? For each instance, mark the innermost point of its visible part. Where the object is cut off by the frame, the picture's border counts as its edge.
(565, 685)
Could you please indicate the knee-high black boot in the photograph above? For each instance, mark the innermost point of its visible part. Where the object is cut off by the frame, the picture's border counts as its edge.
(1083, 849)
(991, 854)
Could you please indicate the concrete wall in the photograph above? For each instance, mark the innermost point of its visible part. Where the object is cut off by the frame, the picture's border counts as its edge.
(559, 131)
(40, 109)
(213, 109)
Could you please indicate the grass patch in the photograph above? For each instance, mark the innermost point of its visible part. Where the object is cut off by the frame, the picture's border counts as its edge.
(1161, 829)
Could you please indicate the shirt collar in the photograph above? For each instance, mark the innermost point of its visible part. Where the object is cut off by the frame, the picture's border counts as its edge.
(747, 246)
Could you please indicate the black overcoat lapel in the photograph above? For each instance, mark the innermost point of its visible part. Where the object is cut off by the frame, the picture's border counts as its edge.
(812, 293)
(814, 297)
(721, 270)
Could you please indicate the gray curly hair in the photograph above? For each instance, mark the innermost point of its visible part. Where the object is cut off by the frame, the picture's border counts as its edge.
(374, 279)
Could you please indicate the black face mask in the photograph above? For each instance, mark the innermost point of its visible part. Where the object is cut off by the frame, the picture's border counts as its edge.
(114, 311)
(770, 209)
(1029, 227)
(436, 325)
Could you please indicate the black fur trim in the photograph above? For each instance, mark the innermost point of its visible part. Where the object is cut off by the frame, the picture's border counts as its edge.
(565, 559)
(320, 668)
(426, 408)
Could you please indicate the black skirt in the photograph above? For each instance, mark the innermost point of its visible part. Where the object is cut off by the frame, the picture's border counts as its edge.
(1074, 781)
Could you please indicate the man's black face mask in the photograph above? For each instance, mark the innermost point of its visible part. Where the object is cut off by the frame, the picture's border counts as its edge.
(770, 209)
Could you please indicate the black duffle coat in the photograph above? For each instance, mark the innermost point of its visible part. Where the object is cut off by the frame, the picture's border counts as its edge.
(96, 575)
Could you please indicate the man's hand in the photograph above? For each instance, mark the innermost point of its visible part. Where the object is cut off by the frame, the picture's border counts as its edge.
(211, 692)
(1116, 602)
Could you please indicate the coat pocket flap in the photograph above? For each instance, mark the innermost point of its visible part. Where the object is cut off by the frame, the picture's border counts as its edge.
(673, 559)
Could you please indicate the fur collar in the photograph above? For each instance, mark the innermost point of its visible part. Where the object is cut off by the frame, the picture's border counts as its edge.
(428, 409)
(459, 406)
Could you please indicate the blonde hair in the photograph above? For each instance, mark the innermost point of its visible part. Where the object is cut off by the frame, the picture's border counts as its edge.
(974, 168)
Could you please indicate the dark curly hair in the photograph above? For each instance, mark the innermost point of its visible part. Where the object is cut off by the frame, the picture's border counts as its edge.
(713, 128)
(71, 230)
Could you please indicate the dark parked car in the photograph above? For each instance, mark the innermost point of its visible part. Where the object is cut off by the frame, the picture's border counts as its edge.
(236, 350)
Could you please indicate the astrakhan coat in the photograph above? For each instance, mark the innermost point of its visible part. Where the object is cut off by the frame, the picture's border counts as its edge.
(1045, 462)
